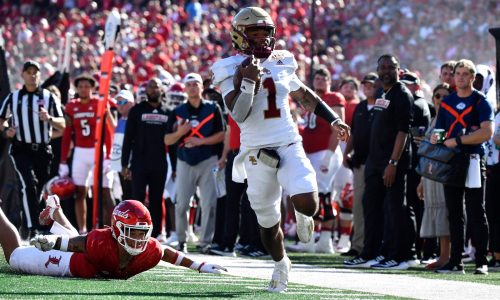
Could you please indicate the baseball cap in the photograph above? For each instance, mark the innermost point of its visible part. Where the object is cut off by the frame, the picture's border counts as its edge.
(410, 78)
(126, 95)
(31, 63)
(370, 77)
(192, 77)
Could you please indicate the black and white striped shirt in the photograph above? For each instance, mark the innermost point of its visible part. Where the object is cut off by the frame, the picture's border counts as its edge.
(23, 107)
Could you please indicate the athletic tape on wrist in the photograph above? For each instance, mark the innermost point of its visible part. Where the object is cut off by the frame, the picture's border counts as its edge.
(64, 243)
(180, 257)
(247, 86)
(197, 266)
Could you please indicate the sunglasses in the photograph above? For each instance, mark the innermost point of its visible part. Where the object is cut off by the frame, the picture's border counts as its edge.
(121, 102)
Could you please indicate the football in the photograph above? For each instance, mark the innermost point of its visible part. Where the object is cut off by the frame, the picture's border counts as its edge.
(238, 76)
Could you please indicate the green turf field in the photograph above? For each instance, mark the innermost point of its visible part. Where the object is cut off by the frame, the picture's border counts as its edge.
(169, 283)
(163, 282)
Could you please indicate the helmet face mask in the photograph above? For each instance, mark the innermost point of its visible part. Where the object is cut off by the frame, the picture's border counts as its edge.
(253, 18)
(132, 226)
(128, 234)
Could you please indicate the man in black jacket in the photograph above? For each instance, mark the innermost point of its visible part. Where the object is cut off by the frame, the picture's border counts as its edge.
(146, 126)
(386, 167)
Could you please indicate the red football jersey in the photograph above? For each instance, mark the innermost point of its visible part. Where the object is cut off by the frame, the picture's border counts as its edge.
(317, 131)
(84, 118)
(83, 125)
(101, 258)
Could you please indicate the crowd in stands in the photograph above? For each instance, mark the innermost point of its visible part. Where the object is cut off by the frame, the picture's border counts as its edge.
(183, 39)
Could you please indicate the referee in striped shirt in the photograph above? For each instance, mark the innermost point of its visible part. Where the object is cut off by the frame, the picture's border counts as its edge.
(31, 112)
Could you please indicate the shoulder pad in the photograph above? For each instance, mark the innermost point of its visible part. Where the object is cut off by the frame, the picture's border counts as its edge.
(285, 56)
(225, 68)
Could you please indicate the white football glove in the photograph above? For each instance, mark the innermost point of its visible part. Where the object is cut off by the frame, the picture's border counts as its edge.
(63, 170)
(44, 242)
(211, 268)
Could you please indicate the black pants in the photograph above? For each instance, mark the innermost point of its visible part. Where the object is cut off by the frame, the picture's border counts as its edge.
(32, 163)
(476, 216)
(155, 181)
(493, 205)
(387, 218)
(126, 187)
(232, 203)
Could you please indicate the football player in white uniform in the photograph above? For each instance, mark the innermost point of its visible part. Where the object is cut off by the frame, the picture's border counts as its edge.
(256, 84)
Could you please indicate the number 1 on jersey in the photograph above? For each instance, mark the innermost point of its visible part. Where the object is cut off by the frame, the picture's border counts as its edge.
(272, 110)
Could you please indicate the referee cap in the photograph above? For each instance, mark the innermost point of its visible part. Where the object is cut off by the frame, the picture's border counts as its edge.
(31, 63)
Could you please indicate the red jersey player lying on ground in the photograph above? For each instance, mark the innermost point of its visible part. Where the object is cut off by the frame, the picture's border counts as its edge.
(120, 251)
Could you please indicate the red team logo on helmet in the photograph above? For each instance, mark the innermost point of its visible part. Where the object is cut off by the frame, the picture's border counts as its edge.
(64, 187)
(129, 216)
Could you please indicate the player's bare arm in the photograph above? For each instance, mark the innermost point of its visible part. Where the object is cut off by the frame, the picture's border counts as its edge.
(315, 104)
(246, 81)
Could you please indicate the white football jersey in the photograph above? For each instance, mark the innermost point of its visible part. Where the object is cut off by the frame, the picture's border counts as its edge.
(270, 122)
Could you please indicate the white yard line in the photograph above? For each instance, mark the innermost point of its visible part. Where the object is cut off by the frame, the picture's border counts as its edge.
(386, 284)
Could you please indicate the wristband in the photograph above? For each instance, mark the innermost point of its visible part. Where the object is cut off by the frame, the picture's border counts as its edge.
(64, 243)
(247, 86)
(325, 112)
(179, 257)
(196, 266)
(458, 140)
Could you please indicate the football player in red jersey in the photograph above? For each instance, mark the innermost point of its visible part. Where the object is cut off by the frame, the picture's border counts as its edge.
(118, 252)
(81, 118)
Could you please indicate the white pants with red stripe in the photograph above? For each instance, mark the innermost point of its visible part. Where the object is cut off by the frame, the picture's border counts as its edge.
(30, 260)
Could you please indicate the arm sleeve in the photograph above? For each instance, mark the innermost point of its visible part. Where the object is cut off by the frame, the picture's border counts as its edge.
(485, 111)
(129, 137)
(226, 86)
